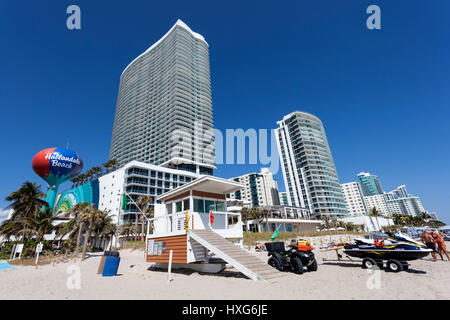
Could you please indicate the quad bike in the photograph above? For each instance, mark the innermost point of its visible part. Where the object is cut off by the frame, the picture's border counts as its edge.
(295, 259)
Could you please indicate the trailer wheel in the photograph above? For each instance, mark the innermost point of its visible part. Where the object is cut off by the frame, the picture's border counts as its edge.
(368, 263)
(394, 265)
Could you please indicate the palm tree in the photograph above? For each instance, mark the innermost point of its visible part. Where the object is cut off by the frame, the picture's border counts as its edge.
(265, 215)
(425, 216)
(37, 225)
(109, 231)
(436, 223)
(79, 211)
(40, 224)
(69, 227)
(26, 201)
(74, 181)
(149, 213)
(114, 164)
(11, 228)
(326, 221)
(142, 202)
(127, 228)
(109, 165)
(244, 216)
(97, 171)
(350, 226)
(89, 174)
(397, 218)
(375, 213)
(81, 179)
(90, 217)
(255, 213)
(333, 224)
(101, 226)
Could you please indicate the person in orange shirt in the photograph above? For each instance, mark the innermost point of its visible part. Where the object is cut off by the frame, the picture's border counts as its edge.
(442, 248)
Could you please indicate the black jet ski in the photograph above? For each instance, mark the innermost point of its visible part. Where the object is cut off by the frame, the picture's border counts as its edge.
(396, 248)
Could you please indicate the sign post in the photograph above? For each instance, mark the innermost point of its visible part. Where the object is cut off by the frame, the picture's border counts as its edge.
(170, 264)
(17, 250)
(38, 250)
(13, 252)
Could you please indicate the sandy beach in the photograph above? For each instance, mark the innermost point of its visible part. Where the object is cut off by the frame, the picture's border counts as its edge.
(136, 280)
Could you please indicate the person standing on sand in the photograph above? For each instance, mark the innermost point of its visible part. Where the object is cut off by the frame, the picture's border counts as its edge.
(428, 240)
(442, 248)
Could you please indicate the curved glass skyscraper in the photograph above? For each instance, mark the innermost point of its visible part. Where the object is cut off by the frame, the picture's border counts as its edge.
(370, 184)
(309, 172)
(164, 110)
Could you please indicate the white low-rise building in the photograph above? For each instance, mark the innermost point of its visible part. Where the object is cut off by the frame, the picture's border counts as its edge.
(260, 189)
(288, 218)
(135, 178)
(370, 223)
(378, 202)
(401, 202)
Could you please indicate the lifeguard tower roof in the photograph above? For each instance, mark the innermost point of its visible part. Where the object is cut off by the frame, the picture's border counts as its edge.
(204, 184)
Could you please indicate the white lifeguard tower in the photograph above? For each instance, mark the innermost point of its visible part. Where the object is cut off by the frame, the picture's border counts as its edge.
(194, 223)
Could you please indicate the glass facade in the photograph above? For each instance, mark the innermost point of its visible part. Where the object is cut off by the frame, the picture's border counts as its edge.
(164, 107)
(140, 181)
(310, 176)
(370, 184)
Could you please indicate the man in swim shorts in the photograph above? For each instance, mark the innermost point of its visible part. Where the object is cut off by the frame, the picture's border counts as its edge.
(428, 240)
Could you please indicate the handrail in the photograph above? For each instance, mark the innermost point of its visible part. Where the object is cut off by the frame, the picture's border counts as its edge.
(172, 219)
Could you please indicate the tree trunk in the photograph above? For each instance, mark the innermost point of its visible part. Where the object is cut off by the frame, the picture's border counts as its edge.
(142, 234)
(135, 227)
(86, 238)
(80, 228)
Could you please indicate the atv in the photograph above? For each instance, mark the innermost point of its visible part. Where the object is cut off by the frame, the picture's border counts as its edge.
(294, 259)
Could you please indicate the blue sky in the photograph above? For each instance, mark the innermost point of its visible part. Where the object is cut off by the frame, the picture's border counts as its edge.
(383, 95)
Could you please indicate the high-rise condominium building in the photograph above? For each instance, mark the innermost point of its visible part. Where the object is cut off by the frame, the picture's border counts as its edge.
(401, 202)
(260, 189)
(164, 110)
(308, 168)
(378, 202)
(370, 184)
(284, 198)
(354, 198)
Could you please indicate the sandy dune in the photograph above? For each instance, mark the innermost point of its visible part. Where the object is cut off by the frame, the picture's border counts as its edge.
(333, 280)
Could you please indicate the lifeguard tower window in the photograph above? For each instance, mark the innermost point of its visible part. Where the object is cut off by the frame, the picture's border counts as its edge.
(178, 206)
(210, 206)
(220, 206)
(199, 205)
(186, 204)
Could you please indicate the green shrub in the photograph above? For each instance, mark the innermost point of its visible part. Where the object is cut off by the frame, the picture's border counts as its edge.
(250, 238)
(29, 248)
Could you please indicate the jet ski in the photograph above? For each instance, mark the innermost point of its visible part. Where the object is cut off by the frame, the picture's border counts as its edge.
(396, 248)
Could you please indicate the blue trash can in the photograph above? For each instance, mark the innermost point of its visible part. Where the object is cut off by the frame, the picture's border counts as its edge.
(111, 266)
